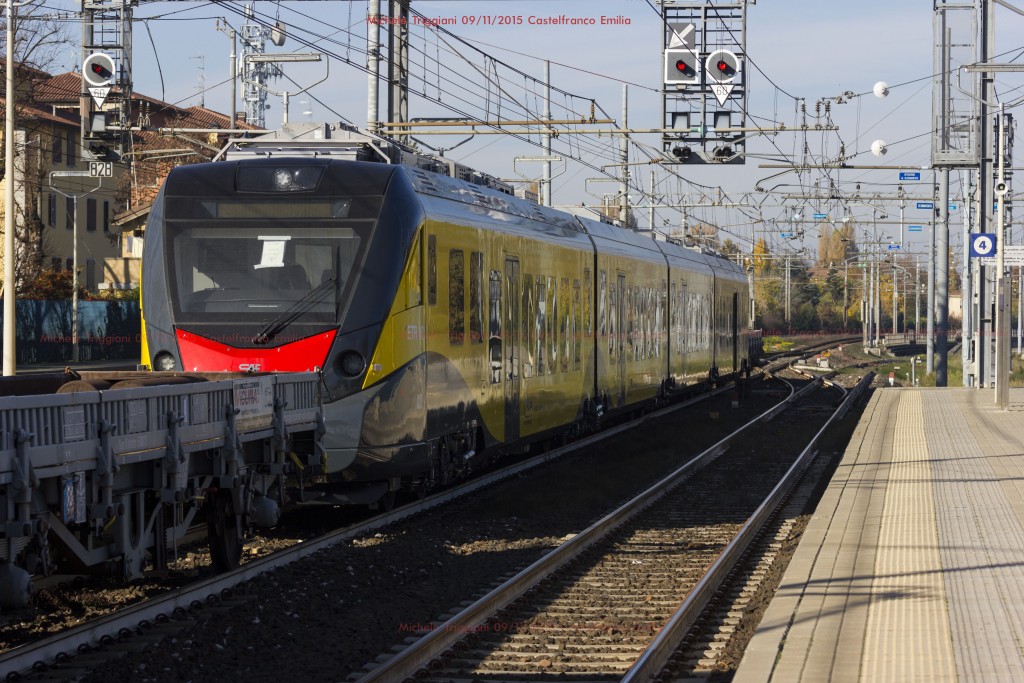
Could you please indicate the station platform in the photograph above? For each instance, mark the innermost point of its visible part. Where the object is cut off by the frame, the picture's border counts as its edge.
(912, 566)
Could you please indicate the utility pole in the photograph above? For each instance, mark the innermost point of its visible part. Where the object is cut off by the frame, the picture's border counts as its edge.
(930, 361)
(9, 284)
(650, 217)
(967, 278)
(545, 187)
(1020, 310)
(846, 296)
(1002, 321)
(9, 288)
(870, 309)
(864, 307)
(895, 300)
(373, 67)
(985, 284)
(917, 299)
(788, 318)
(223, 26)
(624, 157)
(256, 73)
(398, 58)
(878, 297)
(942, 280)
(959, 140)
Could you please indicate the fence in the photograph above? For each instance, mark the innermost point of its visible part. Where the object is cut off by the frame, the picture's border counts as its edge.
(107, 330)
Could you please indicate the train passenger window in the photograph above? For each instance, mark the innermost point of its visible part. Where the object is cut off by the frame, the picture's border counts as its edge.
(576, 328)
(456, 296)
(619, 307)
(612, 309)
(637, 322)
(564, 325)
(644, 307)
(647, 317)
(414, 278)
(476, 298)
(673, 312)
(542, 330)
(528, 334)
(494, 325)
(657, 317)
(662, 320)
(432, 270)
(587, 289)
(631, 325)
(602, 308)
(552, 323)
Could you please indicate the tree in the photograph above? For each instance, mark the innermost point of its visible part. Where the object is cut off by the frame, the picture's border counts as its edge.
(762, 263)
(836, 245)
(40, 39)
(53, 285)
(730, 249)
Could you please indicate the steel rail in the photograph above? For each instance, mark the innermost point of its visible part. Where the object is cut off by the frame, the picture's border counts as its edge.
(25, 657)
(669, 638)
(419, 654)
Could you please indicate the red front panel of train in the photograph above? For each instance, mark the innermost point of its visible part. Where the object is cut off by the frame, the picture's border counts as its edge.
(199, 354)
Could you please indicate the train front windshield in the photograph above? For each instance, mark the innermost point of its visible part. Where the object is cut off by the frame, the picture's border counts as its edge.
(250, 260)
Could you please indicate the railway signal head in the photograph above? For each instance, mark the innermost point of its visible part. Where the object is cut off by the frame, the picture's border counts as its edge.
(681, 66)
(723, 66)
(98, 69)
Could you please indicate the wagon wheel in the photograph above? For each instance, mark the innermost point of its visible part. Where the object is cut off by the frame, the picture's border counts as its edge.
(223, 532)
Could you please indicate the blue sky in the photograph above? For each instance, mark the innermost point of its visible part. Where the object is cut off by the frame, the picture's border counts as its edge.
(797, 49)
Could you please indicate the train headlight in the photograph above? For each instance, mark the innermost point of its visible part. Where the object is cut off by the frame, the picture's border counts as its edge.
(164, 361)
(289, 178)
(282, 179)
(352, 363)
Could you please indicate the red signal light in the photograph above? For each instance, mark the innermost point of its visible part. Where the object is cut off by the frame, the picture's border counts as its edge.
(683, 67)
(722, 65)
(98, 70)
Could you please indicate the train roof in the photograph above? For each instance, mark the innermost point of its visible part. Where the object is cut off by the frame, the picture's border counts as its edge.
(607, 237)
(476, 199)
(464, 192)
(610, 237)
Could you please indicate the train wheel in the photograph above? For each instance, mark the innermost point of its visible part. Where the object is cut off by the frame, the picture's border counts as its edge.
(223, 533)
(387, 502)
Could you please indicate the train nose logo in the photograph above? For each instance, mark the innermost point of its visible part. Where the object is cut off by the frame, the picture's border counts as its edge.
(249, 367)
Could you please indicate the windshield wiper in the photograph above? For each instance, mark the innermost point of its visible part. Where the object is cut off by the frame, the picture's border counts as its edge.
(294, 311)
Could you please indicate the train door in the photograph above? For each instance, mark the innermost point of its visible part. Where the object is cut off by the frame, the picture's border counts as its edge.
(512, 347)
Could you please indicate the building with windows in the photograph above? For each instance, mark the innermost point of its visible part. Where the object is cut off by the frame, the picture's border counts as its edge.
(53, 192)
(56, 198)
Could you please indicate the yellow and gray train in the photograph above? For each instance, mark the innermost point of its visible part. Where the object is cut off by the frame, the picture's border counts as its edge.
(450, 322)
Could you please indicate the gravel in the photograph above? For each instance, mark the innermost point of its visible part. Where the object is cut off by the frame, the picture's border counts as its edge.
(325, 617)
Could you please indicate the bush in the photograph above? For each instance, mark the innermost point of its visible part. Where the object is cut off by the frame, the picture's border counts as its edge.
(53, 285)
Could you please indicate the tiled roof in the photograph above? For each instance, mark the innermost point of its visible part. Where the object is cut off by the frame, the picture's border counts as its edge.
(42, 114)
(23, 69)
(201, 117)
(61, 88)
(67, 88)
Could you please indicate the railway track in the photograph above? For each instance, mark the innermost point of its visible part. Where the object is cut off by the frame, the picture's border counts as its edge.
(177, 610)
(601, 606)
(159, 611)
